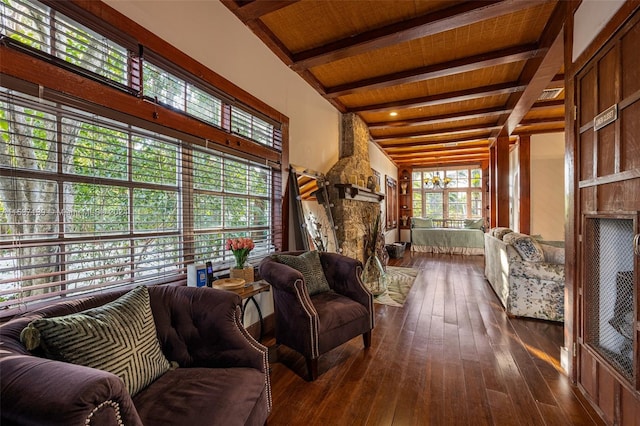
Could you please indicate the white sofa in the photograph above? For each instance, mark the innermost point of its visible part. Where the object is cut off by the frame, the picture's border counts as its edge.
(526, 275)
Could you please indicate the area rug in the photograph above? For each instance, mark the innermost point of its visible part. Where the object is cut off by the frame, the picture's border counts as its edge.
(399, 282)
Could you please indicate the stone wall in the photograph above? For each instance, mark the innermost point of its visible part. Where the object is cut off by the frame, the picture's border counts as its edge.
(352, 217)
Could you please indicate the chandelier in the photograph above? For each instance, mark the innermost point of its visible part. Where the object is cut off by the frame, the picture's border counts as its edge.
(436, 182)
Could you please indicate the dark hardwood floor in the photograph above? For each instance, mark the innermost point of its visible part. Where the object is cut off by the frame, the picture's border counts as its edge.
(450, 356)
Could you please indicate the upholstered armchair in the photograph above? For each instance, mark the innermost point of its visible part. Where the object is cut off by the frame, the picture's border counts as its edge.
(312, 319)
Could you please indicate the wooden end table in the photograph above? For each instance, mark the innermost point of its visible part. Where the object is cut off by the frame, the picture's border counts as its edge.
(247, 294)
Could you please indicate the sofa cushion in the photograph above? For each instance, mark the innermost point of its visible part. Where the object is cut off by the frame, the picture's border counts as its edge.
(512, 236)
(552, 254)
(118, 337)
(500, 232)
(202, 396)
(422, 222)
(310, 267)
(529, 249)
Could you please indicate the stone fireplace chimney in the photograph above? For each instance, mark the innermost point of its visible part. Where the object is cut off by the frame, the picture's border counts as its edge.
(352, 217)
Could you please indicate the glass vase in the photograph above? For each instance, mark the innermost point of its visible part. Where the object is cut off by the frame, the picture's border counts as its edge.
(245, 273)
(374, 276)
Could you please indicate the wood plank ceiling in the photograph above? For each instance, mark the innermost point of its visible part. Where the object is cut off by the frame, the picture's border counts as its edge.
(435, 81)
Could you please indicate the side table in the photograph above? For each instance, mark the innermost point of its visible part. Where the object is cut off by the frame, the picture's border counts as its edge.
(247, 294)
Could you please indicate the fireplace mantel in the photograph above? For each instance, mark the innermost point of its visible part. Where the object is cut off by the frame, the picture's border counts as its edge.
(349, 191)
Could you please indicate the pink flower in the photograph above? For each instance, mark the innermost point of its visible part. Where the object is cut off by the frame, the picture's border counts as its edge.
(240, 248)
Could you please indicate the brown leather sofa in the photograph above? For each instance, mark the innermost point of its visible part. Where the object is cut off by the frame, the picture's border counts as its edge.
(222, 378)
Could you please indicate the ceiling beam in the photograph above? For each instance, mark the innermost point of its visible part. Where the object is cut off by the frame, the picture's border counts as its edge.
(443, 159)
(257, 8)
(448, 146)
(445, 98)
(538, 131)
(471, 63)
(538, 73)
(546, 120)
(428, 144)
(277, 47)
(456, 16)
(439, 132)
(441, 153)
(442, 118)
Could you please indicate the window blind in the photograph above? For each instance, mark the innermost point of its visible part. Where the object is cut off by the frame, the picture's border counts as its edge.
(37, 26)
(94, 199)
(90, 203)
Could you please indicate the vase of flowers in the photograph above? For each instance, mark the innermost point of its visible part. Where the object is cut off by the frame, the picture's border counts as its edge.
(241, 247)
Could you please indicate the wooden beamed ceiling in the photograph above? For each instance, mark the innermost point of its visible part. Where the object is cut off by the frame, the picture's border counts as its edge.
(436, 81)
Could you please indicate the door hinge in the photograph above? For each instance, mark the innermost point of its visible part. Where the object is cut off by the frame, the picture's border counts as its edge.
(575, 113)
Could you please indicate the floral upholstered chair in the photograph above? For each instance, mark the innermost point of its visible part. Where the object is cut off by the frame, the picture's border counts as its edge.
(526, 274)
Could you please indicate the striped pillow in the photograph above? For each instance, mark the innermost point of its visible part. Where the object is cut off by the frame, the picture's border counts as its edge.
(118, 337)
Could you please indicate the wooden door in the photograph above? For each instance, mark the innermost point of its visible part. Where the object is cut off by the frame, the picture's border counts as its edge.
(607, 138)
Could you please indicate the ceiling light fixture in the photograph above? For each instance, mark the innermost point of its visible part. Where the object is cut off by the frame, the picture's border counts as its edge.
(436, 182)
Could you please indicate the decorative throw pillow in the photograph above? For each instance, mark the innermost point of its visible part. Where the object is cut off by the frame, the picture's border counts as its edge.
(529, 249)
(422, 222)
(473, 223)
(118, 337)
(310, 267)
(512, 236)
(501, 232)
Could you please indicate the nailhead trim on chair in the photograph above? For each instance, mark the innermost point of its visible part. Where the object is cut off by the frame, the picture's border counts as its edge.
(364, 288)
(113, 404)
(258, 347)
(306, 303)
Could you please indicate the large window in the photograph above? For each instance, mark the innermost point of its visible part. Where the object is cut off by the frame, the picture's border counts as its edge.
(447, 193)
(92, 198)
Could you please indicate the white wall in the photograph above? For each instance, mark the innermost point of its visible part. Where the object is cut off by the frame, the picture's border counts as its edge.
(208, 32)
(547, 186)
(590, 18)
(382, 163)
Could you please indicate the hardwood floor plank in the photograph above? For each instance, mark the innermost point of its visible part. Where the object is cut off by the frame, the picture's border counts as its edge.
(449, 356)
(476, 396)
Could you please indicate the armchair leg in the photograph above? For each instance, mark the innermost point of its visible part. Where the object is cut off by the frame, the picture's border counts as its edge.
(366, 337)
(312, 368)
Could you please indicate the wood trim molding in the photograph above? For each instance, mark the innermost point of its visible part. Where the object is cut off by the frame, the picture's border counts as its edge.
(524, 154)
(502, 181)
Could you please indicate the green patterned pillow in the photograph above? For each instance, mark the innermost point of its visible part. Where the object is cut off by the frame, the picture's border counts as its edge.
(422, 222)
(310, 267)
(118, 337)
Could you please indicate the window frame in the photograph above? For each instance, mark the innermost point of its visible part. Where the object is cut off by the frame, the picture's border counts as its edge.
(57, 82)
(447, 190)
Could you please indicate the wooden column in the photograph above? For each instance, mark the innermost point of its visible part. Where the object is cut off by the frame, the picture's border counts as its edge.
(502, 181)
(525, 183)
(492, 186)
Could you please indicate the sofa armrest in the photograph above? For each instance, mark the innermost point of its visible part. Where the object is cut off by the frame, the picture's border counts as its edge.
(201, 327)
(280, 276)
(42, 391)
(538, 270)
(343, 275)
(290, 295)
